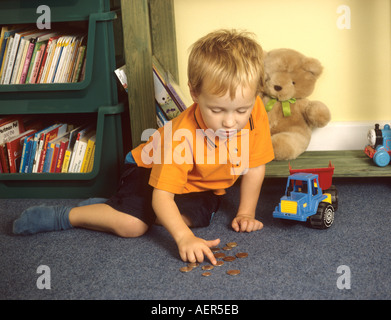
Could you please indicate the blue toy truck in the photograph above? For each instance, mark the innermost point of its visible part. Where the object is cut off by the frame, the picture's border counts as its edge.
(379, 148)
(309, 196)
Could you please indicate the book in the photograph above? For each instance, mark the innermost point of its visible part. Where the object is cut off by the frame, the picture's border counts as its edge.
(11, 59)
(48, 50)
(3, 42)
(170, 85)
(14, 150)
(168, 95)
(163, 98)
(49, 60)
(8, 50)
(121, 75)
(61, 154)
(10, 127)
(73, 135)
(88, 154)
(80, 151)
(52, 150)
(35, 66)
(78, 63)
(21, 53)
(48, 135)
(37, 148)
(91, 163)
(29, 55)
(26, 152)
(177, 94)
(26, 64)
(161, 118)
(4, 158)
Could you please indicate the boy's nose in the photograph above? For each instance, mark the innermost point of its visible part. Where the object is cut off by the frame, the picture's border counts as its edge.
(228, 122)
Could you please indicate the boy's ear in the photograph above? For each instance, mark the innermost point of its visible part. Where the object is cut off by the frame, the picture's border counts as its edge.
(194, 96)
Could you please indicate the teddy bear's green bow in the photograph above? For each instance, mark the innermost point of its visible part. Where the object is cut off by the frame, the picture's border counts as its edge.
(286, 107)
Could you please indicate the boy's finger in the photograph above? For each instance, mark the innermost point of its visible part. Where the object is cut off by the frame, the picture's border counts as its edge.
(243, 225)
(250, 226)
(212, 243)
(235, 225)
(200, 256)
(210, 256)
(191, 257)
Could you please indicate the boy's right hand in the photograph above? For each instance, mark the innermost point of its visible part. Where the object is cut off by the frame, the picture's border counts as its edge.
(193, 249)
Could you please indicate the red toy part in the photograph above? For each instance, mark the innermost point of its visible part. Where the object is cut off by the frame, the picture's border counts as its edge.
(369, 151)
(325, 174)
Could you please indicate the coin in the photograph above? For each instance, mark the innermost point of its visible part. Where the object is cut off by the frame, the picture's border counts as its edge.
(215, 249)
(232, 244)
(229, 258)
(219, 255)
(233, 272)
(219, 263)
(206, 274)
(227, 248)
(185, 269)
(193, 265)
(207, 267)
(242, 255)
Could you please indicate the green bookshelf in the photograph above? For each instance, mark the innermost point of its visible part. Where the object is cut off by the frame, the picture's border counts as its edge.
(96, 96)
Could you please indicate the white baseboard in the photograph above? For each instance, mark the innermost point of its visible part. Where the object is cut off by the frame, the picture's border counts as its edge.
(342, 136)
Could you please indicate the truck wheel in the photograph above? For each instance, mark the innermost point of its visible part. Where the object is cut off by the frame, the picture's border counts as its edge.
(324, 217)
(334, 196)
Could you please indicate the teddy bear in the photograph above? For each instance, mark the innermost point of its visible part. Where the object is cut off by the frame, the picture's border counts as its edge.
(290, 78)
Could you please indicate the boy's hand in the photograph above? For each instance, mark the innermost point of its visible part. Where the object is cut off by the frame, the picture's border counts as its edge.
(245, 223)
(193, 249)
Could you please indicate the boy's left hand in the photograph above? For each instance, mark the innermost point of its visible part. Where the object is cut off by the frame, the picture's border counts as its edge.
(243, 223)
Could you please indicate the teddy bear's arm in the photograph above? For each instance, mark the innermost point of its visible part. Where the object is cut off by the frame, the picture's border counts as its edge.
(317, 114)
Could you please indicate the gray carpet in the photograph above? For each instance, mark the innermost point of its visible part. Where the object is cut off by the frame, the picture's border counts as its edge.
(286, 260)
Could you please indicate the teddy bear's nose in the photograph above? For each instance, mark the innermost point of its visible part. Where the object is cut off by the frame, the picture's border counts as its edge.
(277, 88)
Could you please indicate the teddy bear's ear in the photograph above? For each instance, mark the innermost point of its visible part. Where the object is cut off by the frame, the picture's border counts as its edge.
(314, 66)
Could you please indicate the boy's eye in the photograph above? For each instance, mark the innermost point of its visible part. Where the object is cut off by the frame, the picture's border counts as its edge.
(242, 111)
(216, 110)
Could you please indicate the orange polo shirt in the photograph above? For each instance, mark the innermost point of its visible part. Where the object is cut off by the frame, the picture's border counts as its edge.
(187, 157)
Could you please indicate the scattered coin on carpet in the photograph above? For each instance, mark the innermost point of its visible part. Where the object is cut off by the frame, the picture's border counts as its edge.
(242, 255)
(193, 265)
(219, 255)
(233, 272)
(207, 267)
(229, 258)
(186, 269)
(232, 244)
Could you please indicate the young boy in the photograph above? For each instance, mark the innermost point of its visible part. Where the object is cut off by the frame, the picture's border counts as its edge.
(176, 179)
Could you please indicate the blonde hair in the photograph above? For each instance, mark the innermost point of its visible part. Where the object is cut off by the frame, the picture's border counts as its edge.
(223, 60)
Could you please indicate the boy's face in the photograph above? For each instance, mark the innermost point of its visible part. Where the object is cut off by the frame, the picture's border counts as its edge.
(224, 115)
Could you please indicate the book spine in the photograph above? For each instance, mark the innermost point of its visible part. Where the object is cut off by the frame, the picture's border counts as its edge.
(61, 154)
(11, 60)
(27, 62)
